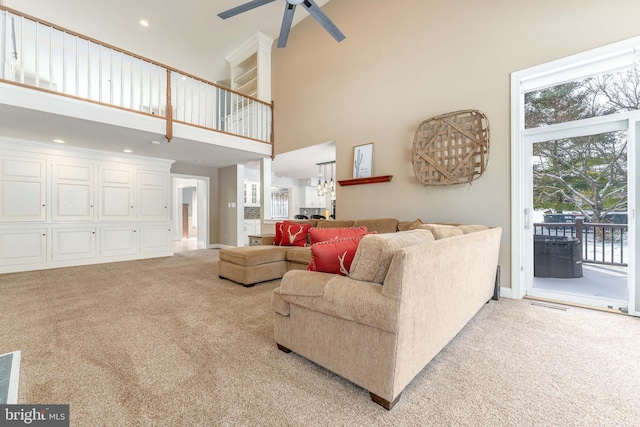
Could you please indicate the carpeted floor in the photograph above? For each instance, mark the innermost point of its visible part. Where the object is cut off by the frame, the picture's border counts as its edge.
(164, 342)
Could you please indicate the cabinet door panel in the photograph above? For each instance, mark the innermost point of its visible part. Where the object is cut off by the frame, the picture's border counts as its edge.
(115, 188)
(152, 203)
(73, 201)
(118, 241)
(23, 190)
(152, 195)
(72, 191)
(115, 203)
(155, 239)
(73, 243)
(21, 200)
(23, 246)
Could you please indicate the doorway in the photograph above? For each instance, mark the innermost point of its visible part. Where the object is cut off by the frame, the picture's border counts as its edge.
(574, 180)
(579, 222)
(190, 212)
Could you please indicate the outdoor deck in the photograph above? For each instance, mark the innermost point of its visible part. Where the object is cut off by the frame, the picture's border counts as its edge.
(599, 280)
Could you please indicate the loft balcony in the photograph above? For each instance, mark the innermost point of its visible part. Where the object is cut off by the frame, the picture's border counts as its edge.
(57, 79)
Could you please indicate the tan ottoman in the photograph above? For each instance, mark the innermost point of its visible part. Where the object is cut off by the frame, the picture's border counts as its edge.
(249, 265)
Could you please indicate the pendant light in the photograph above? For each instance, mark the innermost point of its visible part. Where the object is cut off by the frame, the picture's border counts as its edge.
(319, 188)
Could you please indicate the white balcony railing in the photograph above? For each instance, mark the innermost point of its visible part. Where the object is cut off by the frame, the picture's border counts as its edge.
(43, 56)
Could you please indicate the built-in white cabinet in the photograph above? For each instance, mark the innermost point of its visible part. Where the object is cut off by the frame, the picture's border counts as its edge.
(72, 190)
(73, 243)
(154, 238)
(153, 195)
(68, 206)
(23, 195)
(23, 246)
(115, 192)
(118, 241)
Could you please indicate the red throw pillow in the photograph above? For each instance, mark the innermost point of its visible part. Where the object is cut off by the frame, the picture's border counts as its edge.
(278, 237)
(294, 233)
(334, 256)
(324, 234)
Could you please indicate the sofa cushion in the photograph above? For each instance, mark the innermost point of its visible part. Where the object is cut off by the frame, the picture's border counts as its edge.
(466, 229)
(375, 252)
(432, 227)
(409, 225)
(334, 256)
(294, 234)
(298, 254)
(445, 232)
(323, 234)
(335, 223)
(278, 239)
(382, 225)
(248, 256)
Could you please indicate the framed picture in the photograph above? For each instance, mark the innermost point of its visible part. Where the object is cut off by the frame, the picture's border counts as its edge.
(363, 160)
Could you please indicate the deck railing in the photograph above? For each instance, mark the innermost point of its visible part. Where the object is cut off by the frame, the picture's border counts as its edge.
(44, 56)
(601, 243)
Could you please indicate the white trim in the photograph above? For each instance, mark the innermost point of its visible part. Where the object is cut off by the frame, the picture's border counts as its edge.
(632, 201)
(506, 293)
(579, 299)
(203, 223)
(517, 198)
(612, 57)
(578, 128)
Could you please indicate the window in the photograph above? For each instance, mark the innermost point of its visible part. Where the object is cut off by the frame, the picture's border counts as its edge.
(254, 194)
(280, 204)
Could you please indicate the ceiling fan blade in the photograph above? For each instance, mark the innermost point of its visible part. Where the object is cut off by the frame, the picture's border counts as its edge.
(243, 8)
(324, 20)
(286, 24)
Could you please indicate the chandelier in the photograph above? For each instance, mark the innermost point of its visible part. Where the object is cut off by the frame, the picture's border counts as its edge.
(326, 170)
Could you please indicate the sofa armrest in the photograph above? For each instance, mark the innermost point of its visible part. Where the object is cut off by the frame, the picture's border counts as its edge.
(341, 297)
(361, 302)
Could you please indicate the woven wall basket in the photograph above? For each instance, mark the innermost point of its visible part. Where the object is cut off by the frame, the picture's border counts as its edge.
(452, 148)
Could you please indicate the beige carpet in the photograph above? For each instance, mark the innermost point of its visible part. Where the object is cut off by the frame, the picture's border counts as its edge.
(164, 342)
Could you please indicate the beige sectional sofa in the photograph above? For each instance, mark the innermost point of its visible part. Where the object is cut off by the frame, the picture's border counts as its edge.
(407, 295)
(249, 265)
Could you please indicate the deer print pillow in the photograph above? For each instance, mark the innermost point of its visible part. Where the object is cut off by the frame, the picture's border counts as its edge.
(278, 239)
(334, 256)
(323, 234)
(294, 233)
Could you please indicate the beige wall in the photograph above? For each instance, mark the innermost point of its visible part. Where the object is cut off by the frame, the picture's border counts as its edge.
(230, 186)
(405, 61)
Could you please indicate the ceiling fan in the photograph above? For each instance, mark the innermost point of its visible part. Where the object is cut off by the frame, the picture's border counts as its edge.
(289, 10)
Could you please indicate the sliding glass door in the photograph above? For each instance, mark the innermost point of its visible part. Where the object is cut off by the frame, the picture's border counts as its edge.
(574, 159)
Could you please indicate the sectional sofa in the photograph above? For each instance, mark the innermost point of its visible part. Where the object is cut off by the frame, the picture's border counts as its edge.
(407, 295)
(408, 289)
(249, 265)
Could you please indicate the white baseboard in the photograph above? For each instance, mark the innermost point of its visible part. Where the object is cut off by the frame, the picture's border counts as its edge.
(506, 293)
(220, 246)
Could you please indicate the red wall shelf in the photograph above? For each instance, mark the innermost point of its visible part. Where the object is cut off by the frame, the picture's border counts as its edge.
(368, 180)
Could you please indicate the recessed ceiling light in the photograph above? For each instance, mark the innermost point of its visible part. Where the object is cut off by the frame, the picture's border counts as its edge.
(59, 141)
(144, 23)
(127, 151)
(154, 142)
(198, 161)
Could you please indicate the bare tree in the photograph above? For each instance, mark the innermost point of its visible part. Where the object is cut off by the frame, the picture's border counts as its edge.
(584, 174)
